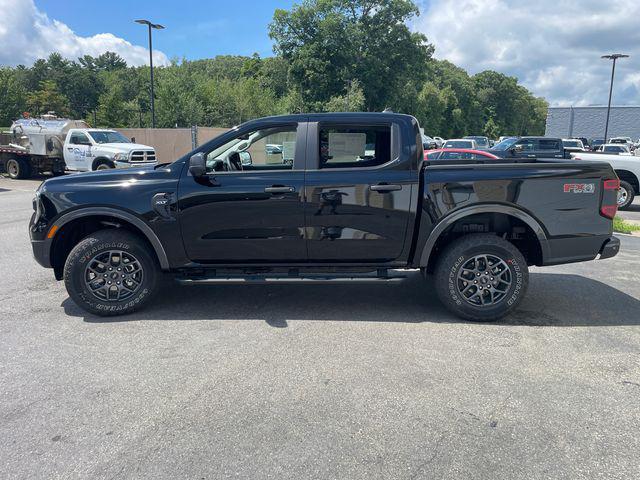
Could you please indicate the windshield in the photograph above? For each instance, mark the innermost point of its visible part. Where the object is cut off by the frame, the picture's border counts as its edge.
(505, 144)
(481, 141)
(572, 143)
(107, 136)
(459, 144)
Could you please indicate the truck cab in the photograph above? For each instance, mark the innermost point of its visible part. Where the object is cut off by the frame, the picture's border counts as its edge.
(529, 148)
(88, 149)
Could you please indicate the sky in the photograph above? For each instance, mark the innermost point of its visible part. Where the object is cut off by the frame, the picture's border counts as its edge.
(552, 46)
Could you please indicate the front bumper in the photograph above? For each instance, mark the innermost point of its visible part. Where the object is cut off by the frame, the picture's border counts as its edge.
(135, 164)
(41, 252)
(610, 248)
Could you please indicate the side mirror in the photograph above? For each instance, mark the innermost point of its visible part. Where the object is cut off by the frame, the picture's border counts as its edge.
(245, 158)
(133, 139)
(197, 165)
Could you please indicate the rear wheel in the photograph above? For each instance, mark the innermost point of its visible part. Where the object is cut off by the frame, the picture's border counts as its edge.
(481, 277)
(626, 195)
(110, 272)
(18, 168)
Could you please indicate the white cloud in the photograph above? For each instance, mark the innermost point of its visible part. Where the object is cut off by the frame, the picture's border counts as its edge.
(27, 34)
(552, 46)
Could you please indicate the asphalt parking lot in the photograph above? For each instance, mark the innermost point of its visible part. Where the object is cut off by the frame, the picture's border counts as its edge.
(340, 382)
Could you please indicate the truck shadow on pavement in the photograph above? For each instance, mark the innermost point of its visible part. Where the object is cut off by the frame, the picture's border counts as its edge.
(559, 300)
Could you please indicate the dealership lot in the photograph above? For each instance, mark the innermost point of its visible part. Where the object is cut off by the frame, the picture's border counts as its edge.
(318, 382)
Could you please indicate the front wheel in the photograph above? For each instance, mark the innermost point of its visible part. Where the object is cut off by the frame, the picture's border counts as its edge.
(110, 272)
(626, 195)
(481, 277)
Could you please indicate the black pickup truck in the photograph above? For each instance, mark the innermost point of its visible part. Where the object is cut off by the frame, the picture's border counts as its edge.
(322, 198)
(529, 148)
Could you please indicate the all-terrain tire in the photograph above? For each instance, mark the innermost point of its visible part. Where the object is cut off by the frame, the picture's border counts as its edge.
(625, 195)
(457, 278)
(122, 261)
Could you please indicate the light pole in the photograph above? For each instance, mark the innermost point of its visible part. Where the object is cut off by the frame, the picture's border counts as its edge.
(157, 26)
(614, 57)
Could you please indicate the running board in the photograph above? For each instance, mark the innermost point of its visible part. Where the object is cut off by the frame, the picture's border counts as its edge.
(316, 279)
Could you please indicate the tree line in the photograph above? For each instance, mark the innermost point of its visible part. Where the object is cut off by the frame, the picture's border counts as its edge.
(330, 55)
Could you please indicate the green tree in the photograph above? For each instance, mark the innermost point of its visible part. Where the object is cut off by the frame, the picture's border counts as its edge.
(48, 98)
(328, 43)
(12, 97)
(352, 101)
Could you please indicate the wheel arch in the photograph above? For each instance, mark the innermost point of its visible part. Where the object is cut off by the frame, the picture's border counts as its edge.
(513, 214)
(629, 177)
(73, 226)
(98, 160)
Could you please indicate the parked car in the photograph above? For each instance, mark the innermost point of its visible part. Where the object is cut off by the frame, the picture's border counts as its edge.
(459, 154)
(428, 143)
(623, 141)
(595, 143)
(482, 143)
(573, 145)
(328, 218)
(529, 148)
(614, 148)
(55, 144)
(627, 168)
(585, 142)
(461, 143)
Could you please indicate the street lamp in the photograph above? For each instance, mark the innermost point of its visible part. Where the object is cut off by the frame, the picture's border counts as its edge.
(614, 57)
(157, 26)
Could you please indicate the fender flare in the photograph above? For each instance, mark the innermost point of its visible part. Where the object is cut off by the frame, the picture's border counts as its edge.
(123, 215)
(486, 208)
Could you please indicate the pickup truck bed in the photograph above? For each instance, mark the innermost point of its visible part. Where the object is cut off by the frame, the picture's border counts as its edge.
(356, 202)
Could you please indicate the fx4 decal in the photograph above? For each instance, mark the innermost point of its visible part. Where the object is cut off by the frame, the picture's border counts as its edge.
(579, 188)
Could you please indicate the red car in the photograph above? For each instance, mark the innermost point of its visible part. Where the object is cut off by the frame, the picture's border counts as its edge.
(458, 154)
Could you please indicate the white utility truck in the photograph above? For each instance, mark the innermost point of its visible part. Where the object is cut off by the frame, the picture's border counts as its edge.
(51, 144)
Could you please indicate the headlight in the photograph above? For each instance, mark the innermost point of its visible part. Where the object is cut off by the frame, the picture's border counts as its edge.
(121, 157)
(37, 206)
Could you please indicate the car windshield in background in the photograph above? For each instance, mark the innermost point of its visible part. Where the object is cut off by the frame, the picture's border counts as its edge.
(572, 144)
(459, 144)
(108, 137)
(480, 141)
(506, 144)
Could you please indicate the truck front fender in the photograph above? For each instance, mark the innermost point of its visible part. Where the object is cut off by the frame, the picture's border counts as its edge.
(449, 220)
(144, 229)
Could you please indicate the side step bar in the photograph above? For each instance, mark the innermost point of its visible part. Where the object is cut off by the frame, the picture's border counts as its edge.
(284, 279)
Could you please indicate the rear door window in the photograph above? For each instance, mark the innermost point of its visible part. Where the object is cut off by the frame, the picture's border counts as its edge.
(549, 144)
(353, 146)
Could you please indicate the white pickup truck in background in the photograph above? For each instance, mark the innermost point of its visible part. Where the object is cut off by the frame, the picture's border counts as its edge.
(87, 149)
(627, 167)
(52, 144)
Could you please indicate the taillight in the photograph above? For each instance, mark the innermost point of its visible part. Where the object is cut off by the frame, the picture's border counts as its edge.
(609, 206)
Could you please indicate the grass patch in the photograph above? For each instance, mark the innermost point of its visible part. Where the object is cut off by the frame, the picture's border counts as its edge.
(620, 226)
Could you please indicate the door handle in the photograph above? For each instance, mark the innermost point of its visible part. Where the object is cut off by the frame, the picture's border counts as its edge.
(279, 189)
(383, 187)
